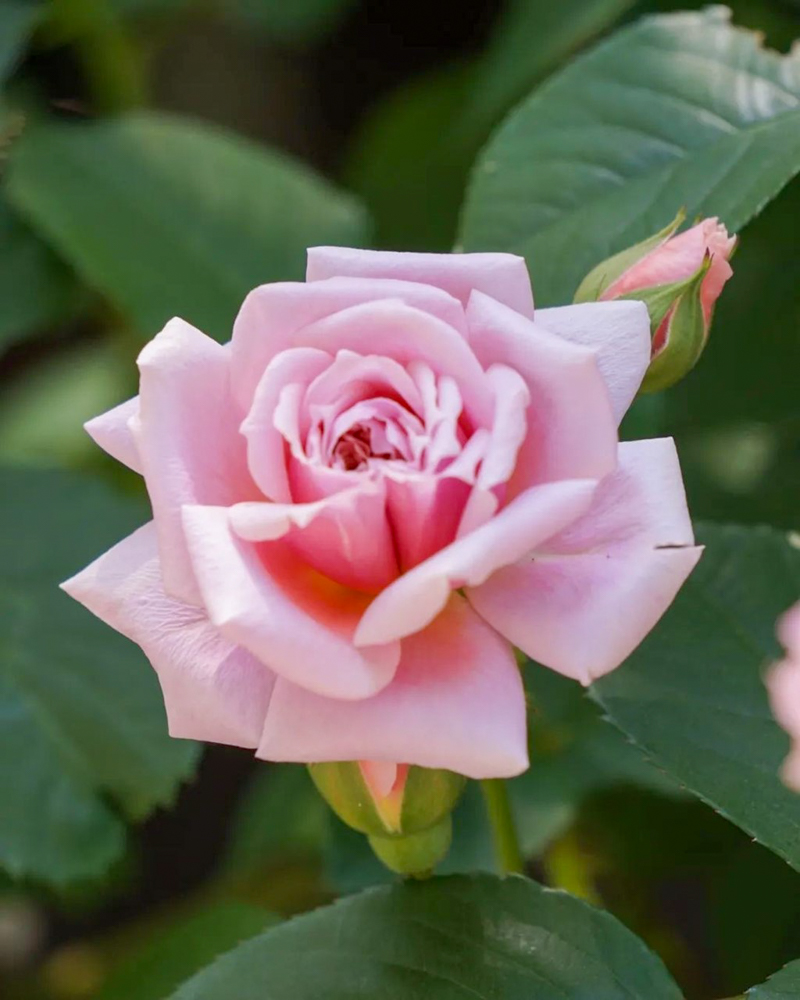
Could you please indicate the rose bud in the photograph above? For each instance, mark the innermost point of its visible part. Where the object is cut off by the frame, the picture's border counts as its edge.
(783, 683)
(679, 278)
(405, 811)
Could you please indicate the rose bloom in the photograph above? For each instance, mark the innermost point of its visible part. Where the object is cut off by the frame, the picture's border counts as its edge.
(391, 474)
(677, 259)
(783, 682)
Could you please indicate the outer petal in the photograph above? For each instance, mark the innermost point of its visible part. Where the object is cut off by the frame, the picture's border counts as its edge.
(189, 441)
(592, 593)
(345, 536)
(212, 689)
(456, 702)
(286, 614)
(272, 317)
(414, 600)
(571, 428)
(618, 331)
(504, 276)
(112, 432)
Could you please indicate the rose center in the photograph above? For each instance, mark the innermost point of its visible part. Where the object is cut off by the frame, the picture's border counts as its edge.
(355, 447)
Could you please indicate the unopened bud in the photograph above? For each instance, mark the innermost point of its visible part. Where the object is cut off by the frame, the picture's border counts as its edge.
(404, 810)
(679, 278)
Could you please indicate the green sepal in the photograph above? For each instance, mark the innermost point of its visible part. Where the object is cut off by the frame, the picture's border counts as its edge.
(415, 854)
(686, 337)
(606, 272)
(428, 796)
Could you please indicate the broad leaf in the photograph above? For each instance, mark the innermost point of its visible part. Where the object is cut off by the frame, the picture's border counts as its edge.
(461, 936)
(176, 950)
(81, 697)
(678, 110)
(411, 160)
(167, 218)
(784, 985)
(692, 695)
(36, 289)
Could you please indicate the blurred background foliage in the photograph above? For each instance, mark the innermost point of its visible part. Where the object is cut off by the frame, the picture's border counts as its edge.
(162, 157)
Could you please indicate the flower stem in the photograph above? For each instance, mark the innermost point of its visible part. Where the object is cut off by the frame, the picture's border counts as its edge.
(506, 841)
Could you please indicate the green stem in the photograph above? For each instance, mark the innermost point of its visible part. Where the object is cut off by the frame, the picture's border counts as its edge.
(501, 818)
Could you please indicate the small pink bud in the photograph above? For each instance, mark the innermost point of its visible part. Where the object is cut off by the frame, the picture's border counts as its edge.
(679, 278)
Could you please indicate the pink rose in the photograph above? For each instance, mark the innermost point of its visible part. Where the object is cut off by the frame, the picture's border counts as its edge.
(676, 259)
(391, 474)
(783, 682)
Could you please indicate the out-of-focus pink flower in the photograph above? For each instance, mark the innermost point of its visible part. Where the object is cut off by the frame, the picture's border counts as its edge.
(392, 473)
(783, 682)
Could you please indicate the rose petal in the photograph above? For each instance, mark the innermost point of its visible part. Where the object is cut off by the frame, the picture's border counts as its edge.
(398, 331)
(346, 537)
(504, 276)
(424, 512)
(571, 428)
(189, 442)
(111, 431)
(293, 619)
(266, 444)
(593, 592)
(618, 331)
(212, 689)
(272, 317)
(414, 600)
(456, 702)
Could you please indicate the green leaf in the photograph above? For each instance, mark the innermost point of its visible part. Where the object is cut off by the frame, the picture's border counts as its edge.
(76, 383)
(680, 110)
(784, 985)
(531, 38)
(411, 160)
(461, 936)
(176, 951)
(692, 695)
(87, 692)
(36, 289)
(168, 217)
(17, 21)
(53, 826)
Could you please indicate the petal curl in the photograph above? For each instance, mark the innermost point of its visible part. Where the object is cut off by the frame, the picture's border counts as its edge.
(213, 690)
(398, 331)
(456, 702)
(272, 317)
(293, 619)
(572, 433)
(504, 276)
(112, 432)
(188, 438)
(618, 331)
(346, 536)
(414, 600)
(591, 594)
